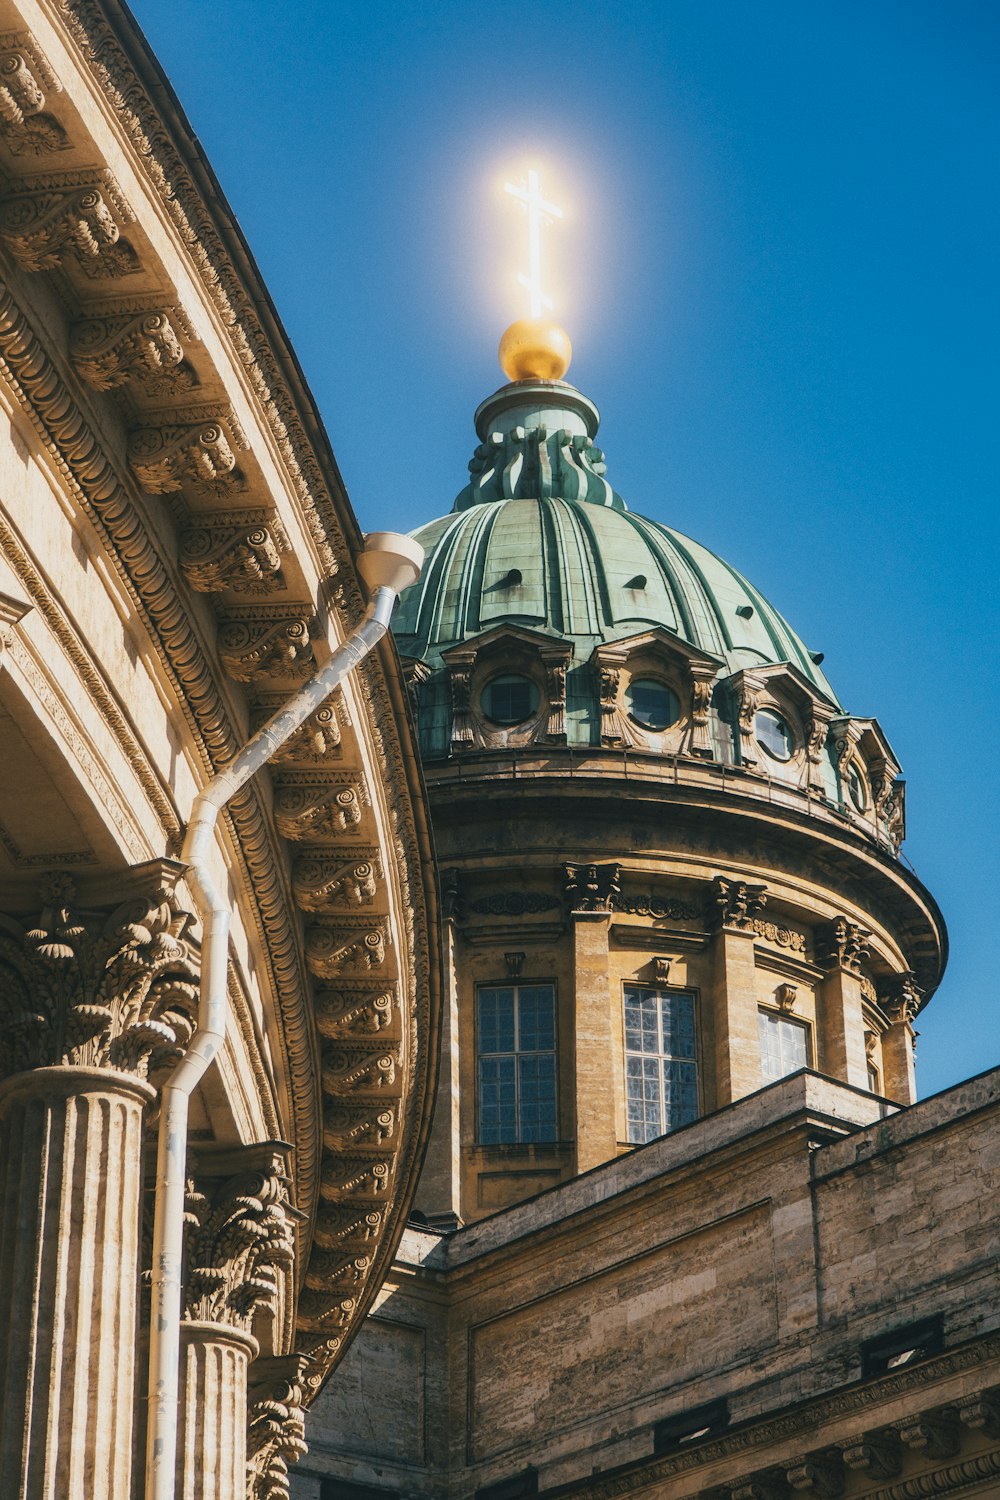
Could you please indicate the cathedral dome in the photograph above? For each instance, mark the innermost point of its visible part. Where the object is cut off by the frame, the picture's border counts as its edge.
(539, 539)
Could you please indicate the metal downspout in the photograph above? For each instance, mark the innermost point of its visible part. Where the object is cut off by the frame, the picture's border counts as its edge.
(389, 564)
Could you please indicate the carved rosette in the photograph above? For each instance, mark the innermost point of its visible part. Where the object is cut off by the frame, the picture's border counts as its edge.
(901, 997)
(239, 1244)
(842, 944)
(144, 348)
(164, 459)
(27, 127)
(591, 887)
(239, 552)
(118, 992)
(69, 217)
(734, 905)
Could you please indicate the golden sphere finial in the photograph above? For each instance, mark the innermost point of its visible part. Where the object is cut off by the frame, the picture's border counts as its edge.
(535, 349)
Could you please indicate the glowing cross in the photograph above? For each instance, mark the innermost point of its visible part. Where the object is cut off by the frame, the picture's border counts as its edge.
(539, 212)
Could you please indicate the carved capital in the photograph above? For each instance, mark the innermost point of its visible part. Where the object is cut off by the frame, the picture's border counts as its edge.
(350, 878)
(69, 216)
(591, 887)
(842, 944)
(268, 647)
(240, 1240)
(320, 810)
(733, 904)
(240, 552)
(900, 997)
(25, 76)
(275, 1424)
(115, 990)
(141, 347)
(201, 454)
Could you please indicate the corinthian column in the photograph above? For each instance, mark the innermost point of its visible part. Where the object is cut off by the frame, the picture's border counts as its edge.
(238, 1257)
(88, 1004)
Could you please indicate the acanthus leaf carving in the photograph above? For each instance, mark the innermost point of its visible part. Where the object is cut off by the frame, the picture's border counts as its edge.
(241, 552)
(268, 647)
(350, 878)
(27, 127)
(69, 216)
(117, 992)
(347, 1225)
(320, 810)
(352, 1070)
(900, 997)
(842, 944)
(702, 683)
(239, 1243)
(332, 950)
(357, 1126)
(356, 1008)
(164, 459)
(275, 1424)
(141, 347)
(315, 742)
(593, 888)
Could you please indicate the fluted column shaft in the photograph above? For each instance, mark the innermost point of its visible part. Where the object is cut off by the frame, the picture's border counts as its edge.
(70, 1169)
(212, 1436)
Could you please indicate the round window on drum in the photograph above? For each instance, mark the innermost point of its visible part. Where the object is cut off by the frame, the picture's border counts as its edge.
(651, 703)
(509, 699)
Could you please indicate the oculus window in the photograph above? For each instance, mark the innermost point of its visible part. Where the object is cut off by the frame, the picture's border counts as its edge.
(510, 699)
(661, 1068)
(784, 1045)
(516, 1029)
(773, 734)
(651, 703)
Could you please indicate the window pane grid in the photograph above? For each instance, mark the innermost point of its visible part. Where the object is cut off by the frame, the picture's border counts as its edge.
(784, 1045)
(661, 1071)
(517, 1064)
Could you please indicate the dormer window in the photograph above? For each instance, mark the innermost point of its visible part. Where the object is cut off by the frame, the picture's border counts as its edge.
(510, 699)
(651, 703)
(773, 734)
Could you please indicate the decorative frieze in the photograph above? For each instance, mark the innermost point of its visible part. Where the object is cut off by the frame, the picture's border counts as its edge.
(118, 992)
(670, 907)
(239, 550)
(27, 127)
(199, 453)
(842, 944)
(345, 948)
(593, 888)
(69, 216)
(733, 905)
(264, 646)
(139, 347)
(350, 878)
(783, 937)
(275, 1425)
(512, 903)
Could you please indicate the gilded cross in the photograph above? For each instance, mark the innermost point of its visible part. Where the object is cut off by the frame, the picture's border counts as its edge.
(539, 212)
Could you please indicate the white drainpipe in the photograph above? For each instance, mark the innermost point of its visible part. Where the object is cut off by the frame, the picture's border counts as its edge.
(389, 563)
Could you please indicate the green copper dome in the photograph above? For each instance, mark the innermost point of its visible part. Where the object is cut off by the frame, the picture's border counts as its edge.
(539, 539)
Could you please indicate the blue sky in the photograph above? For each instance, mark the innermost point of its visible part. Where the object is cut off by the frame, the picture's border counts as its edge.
(779, 268)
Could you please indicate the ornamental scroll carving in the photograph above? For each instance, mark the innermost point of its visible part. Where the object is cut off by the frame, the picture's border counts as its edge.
(260, 647)
(320, 810)
(733, 905)
(117, 992)
(748, 691)
(240, 551)
(349, 878)
(609, 682)
(239, 1243)
(842, 944)
(314, 743)
(701, 702)
(555, 661)
(25, 124)
(592, 887)
(275, 1425)
(356, 1008)
(72, 216)
(140, 347)
(164, 459)
(346, 947)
